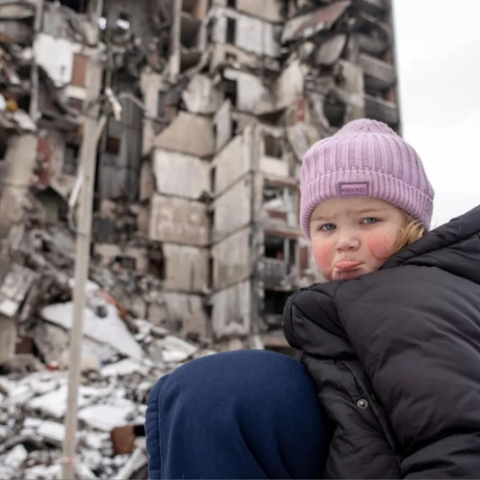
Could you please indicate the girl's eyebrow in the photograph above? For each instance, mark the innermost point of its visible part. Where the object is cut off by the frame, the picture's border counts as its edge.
(316, 218)
(370, 210)
(363, 211)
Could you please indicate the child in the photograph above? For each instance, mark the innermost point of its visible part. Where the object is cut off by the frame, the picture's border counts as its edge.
(395, 350)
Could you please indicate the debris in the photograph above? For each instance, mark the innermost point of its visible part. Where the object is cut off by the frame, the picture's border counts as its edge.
(123, 368)
(52, 432)
(53, 404)
(97, 328)
(308, 25)
(15, 457)
(176, 350)
(107, 417)
(123, 439)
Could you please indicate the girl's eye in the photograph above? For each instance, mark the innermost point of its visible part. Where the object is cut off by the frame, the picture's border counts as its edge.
(369, 220)
(327, 227)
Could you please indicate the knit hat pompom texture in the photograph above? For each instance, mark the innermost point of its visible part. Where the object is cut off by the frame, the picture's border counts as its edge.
(365, 158)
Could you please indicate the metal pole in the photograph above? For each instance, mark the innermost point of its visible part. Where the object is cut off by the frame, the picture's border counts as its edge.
(34, 72)
(175, 39)
(82, 259)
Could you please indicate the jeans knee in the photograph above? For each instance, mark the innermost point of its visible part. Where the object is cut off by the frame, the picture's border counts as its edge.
(244, 375)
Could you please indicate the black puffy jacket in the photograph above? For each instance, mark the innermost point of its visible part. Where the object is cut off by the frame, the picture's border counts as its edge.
(396, 358)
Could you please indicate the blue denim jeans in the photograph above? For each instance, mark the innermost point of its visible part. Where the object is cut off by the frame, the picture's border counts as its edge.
(247, 414)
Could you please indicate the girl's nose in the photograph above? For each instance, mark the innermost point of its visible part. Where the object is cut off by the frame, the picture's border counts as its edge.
(348, 242)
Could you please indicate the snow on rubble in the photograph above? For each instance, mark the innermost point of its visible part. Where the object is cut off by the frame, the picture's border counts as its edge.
(112, 401)
(123, 356)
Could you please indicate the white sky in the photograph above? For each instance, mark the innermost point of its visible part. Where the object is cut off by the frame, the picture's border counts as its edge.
(438, 57)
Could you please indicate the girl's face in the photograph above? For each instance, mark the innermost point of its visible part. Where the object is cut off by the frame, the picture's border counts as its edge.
(353, 236)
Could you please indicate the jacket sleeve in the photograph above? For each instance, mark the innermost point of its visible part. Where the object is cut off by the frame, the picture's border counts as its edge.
(360, 448)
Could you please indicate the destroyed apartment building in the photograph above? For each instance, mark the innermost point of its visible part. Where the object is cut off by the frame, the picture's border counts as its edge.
(209, 107)
(196, 190)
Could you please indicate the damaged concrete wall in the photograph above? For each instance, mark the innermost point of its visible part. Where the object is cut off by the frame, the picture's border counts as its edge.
(190, 134)
(269, 10)
(232, 260)
(153, 88)
(178, 220)
(227, 172)
(59, 67)
(180, 175)
(232, 311)
(186, 268)
(290, 85)
(246, 32)
(185, 314)
(354, 87)
(17, 179)
(62, 159)
(253, 95)
(201, 97)
(237, 199)
(223, 125)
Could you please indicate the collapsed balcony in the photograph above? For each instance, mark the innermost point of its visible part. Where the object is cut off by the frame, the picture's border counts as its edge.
(378, 75)
(372, 36)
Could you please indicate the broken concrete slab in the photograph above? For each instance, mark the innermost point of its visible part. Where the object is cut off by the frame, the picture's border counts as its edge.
(106, 417)
(176, 350)
(15, 457)
(97, 328)
(52, 432)
(301, 137)
(180, 175)
(331, 49)
(123, 368)
(200, 96)
(309, 24)
(53, 404)
(178, 220)
(199, 142)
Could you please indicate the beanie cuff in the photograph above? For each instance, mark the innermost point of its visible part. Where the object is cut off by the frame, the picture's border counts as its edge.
(374, 185)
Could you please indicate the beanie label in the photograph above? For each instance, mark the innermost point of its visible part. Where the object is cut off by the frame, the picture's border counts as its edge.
(360, 189)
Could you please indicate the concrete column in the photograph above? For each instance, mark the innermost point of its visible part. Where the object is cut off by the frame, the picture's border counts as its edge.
(20, 163)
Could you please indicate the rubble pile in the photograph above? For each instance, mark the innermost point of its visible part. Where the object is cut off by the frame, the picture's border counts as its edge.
(123, 357)
(113, 394)
(43, 267)
(33, 406)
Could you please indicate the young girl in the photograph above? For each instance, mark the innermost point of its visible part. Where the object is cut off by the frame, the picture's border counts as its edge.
(394, 351)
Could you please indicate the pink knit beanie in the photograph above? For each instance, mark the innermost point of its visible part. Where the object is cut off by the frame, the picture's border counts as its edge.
(365, 158)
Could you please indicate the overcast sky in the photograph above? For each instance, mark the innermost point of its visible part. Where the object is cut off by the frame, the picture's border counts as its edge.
(438, 56)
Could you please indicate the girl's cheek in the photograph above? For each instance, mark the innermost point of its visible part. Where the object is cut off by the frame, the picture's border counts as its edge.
(381, 246)
(323, 258)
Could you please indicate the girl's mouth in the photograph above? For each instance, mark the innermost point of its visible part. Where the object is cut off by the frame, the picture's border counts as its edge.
(347, 266)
